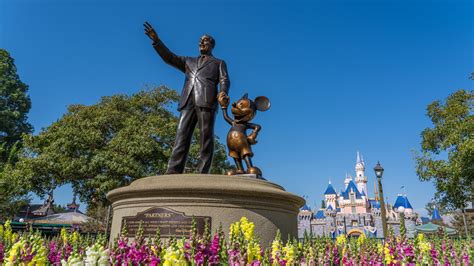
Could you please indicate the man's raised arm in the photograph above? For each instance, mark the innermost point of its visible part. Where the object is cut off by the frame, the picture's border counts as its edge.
(165, 54)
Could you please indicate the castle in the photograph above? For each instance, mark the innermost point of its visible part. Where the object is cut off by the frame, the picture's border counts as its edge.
(352, 212)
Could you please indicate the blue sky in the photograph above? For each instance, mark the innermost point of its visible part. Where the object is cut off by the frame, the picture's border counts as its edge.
(342, 76)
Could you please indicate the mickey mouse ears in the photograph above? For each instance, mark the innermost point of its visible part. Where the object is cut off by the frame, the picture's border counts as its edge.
(262, 103)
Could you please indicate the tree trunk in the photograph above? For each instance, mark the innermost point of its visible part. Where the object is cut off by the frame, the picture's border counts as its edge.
(463, 212)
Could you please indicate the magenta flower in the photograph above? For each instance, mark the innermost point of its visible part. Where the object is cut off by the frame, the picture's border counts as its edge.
(54, 255)
(214, 251)
(2, 251)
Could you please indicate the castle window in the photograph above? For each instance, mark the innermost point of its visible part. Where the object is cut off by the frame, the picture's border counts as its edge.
(352, 197)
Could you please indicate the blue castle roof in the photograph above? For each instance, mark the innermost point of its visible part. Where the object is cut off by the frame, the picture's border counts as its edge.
(402, 200)
(330, 190)
(374, 204)
(329, 208)
(305, 208)
(351, 186)
(436, 216)
(319, 215)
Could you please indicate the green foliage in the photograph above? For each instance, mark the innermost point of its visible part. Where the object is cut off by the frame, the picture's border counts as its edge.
(106, 145)
(13, 189)
(14, 106)
(447, 149)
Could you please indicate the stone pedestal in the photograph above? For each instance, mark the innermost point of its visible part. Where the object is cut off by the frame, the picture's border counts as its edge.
(223, 199)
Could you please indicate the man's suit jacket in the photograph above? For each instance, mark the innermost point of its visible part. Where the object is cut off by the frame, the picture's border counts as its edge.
(202, 78)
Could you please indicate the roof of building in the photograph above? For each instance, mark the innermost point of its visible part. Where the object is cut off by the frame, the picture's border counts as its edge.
(374, 204)
(329, 208)
(403, 201)
(436, 216)
(63, 218)
(434, 228)
(359, 160)
(305, 208)
(351, 187)
(319, 215)
(330, 190)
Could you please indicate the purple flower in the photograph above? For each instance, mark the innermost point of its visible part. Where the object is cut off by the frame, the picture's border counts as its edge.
(154, 261)
(335, 255)
(2, 251)
(255, 263)
(214, 250)
(54, 255)
(434, 254)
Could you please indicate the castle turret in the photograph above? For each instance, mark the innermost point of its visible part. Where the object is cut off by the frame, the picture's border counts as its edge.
(361, 179)
(402, 201)
(330, 196)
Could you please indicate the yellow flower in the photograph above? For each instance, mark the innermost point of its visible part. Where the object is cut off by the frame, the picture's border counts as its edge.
(8, 232)
(234, 230)
(361, 239)
(75, 237)
(174, 255)
(253, 252)
(64, 235)
(420, 237)
(341, 240)
(388, 256)
(289, 253)
(276, 248)
(379, 247)
(13, 237)
(247, 228)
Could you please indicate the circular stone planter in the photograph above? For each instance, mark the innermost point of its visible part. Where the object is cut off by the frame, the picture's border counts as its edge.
(221, 199)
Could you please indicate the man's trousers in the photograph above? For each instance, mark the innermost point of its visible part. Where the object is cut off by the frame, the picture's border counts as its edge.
(190, 117)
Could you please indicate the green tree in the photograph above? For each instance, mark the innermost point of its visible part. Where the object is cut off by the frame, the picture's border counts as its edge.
(107, 145)
(447, 150)
(13, 190)
(14, 106)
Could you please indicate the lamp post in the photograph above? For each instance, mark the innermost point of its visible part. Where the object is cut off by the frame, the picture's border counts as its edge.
(333, 215)
(378, 169)
(401, 211)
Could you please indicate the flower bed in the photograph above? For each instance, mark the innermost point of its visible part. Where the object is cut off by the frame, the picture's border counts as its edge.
(242, 248)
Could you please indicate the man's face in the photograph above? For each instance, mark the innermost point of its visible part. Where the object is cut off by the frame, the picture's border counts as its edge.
(205, 45)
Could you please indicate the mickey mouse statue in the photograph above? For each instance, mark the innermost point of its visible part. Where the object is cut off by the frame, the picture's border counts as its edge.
(244, 110)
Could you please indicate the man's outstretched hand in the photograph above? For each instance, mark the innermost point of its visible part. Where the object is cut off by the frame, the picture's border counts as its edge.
(150, 32)
(223, 99)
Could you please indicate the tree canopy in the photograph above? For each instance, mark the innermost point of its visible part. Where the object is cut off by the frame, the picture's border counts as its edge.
(107, 145)
(447, 149)
(14, 106)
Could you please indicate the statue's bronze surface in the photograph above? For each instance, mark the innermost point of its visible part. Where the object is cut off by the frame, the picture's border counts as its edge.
(238, 143)
(198, 102)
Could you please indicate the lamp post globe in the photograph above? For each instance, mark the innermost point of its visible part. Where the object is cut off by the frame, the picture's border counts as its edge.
(378, 169)
(401, 209)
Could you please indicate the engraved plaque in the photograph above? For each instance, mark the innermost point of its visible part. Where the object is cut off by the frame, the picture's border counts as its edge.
(170, 222)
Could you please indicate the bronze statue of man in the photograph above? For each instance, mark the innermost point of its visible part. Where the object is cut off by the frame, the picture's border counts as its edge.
(198, 102)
